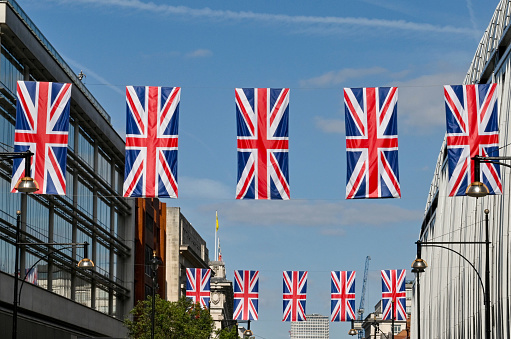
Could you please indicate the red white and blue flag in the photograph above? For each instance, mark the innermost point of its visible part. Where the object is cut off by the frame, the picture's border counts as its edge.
(472, 129)
(294, 295)
(262, 116)
(393, 294)
(343, 296)
(371, 143)
(152, 115)
(42, 125)
(246, 295)
(198, 285)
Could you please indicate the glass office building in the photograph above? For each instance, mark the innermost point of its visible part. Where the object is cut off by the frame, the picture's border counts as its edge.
(92, 210)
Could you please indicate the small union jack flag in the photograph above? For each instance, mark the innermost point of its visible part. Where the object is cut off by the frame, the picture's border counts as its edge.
(152, 115)
(472, 129)
(371, 143)
(393, 294)
(246, 295)
(294, 295)
(262, 116)
(42, 125)
(198, 285)
(343, 296)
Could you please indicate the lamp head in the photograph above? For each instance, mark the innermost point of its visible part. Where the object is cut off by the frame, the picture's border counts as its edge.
(477, 190)
(86, 264)
(419, 265)
(27, 185)
(247, 333)
(352, 332)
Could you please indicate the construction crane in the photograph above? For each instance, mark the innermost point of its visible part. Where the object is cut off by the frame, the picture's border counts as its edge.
(362, 299)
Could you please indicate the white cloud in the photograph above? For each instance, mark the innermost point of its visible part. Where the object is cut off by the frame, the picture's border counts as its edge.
(199, 53)
(330, 125)
(338, 77)
(421, 101)
(311, 213)
(203, 188)
(327, 23)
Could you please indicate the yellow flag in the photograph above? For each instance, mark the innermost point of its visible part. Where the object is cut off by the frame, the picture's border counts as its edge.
(217, 221)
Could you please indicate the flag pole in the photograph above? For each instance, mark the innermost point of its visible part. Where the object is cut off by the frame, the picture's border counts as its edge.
(216, 231)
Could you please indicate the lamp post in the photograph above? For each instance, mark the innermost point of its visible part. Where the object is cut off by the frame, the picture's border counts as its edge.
(419, 266)
(155, 263)
(374, 323)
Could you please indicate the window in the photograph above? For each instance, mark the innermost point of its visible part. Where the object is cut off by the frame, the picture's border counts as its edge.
(86, 148)
(148, 256)
(104, 167)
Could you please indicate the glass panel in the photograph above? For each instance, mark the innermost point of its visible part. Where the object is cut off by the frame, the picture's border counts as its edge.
(62, 233)
(104, 214)
(104, 167)
(6, 135)
(102, 259)
(83, 292)
(101, 300)
(61, 282)
(9, 202)
(69, 185)
(71, 137)
(82, 237)
(37, 219)
(86, 148)
(7, 255)
(11, 71)
(85, 198)
(36, 271)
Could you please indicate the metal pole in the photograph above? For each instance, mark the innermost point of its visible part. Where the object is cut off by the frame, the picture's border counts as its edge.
(418, 306)
(154, 304)
(16, 268)
(393, 317)
(487, 278)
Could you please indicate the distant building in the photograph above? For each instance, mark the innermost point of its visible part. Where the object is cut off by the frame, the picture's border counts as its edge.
(375, 327)
(316, 327)
(222, 296)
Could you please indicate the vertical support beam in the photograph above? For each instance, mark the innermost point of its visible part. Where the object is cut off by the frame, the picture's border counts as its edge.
(487, 278)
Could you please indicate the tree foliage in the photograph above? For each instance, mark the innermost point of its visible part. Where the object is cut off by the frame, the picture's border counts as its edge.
(228, 333)
(173, 320)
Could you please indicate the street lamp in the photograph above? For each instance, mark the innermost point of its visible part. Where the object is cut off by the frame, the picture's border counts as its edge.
(374, 323)
(419, 266)
(477, 189)
(155, 263)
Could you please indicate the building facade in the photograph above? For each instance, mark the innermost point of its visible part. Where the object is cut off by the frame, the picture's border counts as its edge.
(317, 326)
(92, 210)
(451, 303)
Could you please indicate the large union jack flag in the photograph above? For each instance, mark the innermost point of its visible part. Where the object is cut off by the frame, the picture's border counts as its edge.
(472, 129)
(246, 295)
(294, 295)
(42, 125)
(198, 285)
(393, 294)
(262, 116)
(152, 115)
(371, 143)
(343, 296)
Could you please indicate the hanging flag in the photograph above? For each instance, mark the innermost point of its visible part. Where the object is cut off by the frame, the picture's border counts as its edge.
(294, 295)
(198, 285)
(371, 143)
(217, 221)
(219, 251)
(343, 296)
(152, 115)
(472, 129)
(31, 275)
(246, 295)
(262, 116)
(393, 294)
(42, 125)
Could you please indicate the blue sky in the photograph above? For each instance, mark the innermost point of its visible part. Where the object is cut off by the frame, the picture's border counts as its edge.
(315, 48)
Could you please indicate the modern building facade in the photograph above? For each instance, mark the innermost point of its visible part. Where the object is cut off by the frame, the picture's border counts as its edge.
(317, 326)
(451, 301)
(92, 210)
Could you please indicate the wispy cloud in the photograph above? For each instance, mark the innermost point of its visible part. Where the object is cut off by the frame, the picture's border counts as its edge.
(330, 125)
(199, 53)
(337, 77)
(315, 213)
(202, 188)
(328, 22)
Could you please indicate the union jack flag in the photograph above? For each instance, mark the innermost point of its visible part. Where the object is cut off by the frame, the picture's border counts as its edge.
(246, 295)
(152, 115)
(393, 294)
(472, 129)
(198, 285)
(343, 296)
(262, 116)
(371, 143)
(42, 125)
(294, 295)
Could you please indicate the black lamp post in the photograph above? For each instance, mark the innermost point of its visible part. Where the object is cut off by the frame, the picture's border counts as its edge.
(155, 263)
(419, 266)
(374, 323)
